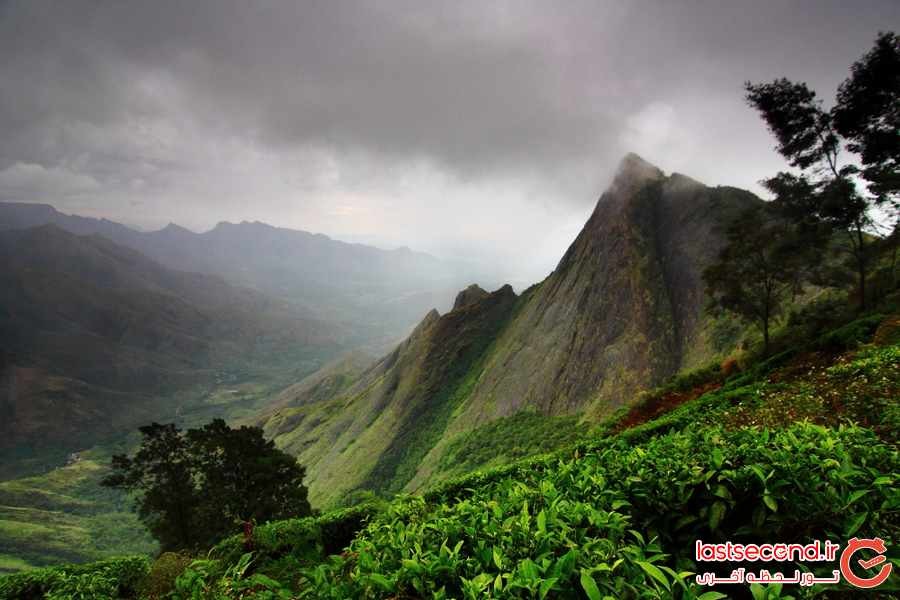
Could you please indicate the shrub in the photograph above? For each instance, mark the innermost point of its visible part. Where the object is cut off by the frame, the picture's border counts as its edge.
(281, 548)
(116, 578)
(851, 335)
(566, 526)
(160, 580)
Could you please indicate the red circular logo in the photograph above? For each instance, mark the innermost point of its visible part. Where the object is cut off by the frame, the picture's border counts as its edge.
(878, 546)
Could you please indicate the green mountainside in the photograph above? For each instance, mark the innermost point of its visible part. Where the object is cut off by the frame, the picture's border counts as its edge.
(622, 312)
(98, 339)
(373, 433)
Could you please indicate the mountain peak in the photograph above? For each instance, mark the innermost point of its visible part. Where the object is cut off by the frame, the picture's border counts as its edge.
(633, 170)
(432, 317)
(470, 295)
(172, 228)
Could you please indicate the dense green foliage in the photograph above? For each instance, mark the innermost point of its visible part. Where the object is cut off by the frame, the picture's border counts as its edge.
(565, 524)
(194, 488)
(303, 541)
(868, 116)
(104, 580)
(523, 434)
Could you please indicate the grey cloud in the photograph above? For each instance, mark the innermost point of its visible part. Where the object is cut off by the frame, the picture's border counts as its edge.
(326, 114)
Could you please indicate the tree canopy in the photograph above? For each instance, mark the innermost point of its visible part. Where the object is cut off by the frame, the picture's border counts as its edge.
(194, 488)
(825, 200)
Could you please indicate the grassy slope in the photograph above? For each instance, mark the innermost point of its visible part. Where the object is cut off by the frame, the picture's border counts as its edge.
(374, 433)
(63, 514)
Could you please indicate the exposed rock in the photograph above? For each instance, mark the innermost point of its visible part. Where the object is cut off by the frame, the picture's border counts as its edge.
(470, 295)
(622, 308)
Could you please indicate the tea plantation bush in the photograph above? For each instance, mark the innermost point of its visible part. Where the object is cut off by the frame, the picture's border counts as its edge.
(621, 521)
(103, 580)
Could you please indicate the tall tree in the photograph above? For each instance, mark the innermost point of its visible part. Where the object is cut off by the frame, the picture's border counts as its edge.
(868, 115)
(162, 471)
(249, 478)
(825, 198)
(757, 271)
(194, 488)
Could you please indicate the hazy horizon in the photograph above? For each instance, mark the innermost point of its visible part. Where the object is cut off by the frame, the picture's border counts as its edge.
(467, 131)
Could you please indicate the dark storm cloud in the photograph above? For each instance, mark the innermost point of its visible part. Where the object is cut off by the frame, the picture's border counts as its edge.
(370, 117)
(409, 81)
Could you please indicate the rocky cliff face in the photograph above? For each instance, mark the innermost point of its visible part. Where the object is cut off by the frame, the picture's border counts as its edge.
(622, 311)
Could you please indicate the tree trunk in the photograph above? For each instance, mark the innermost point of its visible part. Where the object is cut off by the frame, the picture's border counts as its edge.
(861, 266)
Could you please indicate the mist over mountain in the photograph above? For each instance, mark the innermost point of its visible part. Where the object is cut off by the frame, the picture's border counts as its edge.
(98, 339)
(380, 293)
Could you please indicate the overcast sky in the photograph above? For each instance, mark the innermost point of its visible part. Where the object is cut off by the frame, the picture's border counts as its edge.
(479, 129)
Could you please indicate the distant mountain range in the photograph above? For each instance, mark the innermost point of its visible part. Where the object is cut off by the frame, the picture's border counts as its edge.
(104, 328)
(380, 293)
(97, 338)
(622, 312)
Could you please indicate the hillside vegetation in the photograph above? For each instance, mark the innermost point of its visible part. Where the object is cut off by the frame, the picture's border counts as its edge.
(799, 447)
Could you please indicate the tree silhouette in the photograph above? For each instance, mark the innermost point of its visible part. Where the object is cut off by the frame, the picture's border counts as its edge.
(825, 198)
(195, 488)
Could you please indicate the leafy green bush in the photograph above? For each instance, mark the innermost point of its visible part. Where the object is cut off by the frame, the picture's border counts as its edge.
(200, 581)
(851, 335)
(566, 526)
(160, 580)
(113, 578)
(281, 548)
(85, 586)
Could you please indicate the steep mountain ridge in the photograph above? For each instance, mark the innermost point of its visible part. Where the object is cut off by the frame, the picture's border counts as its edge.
(373, 434)
(622, 311)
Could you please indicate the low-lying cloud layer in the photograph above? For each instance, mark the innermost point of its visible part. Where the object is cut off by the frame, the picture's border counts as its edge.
(479, 129)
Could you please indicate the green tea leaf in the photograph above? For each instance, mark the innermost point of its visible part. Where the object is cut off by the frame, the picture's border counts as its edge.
(654, 572)
(856, 522)
(716, 513)
(590, 586)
